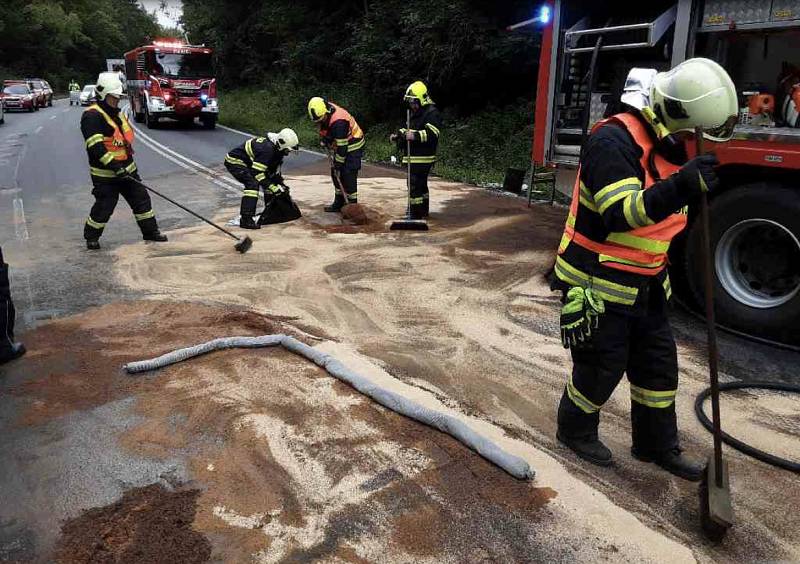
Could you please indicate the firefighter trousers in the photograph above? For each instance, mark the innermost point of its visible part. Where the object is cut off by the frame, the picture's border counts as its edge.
(251, 188)
(349, 182)
(7, 311)
(644, 349)
(106, 195)
(419, 201)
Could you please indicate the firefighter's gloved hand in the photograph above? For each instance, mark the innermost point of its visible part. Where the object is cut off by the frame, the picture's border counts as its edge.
(580, 317)
(698, 175)
(276, 178)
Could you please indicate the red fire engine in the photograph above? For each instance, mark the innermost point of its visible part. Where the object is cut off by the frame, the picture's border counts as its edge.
(588, 47)
(171, 80)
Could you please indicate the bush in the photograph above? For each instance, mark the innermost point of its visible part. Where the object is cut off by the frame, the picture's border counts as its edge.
(476, 149)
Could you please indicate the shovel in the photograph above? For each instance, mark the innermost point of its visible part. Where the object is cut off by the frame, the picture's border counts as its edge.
(716, 509)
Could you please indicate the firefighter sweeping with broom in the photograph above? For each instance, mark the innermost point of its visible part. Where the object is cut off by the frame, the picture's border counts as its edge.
(256, 164)
(628, 203)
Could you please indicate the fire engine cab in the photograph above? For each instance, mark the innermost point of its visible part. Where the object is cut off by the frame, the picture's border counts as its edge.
(588, 47)
(169, 79)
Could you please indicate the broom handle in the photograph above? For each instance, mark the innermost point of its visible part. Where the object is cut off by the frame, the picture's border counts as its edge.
(408, 156)
(713, 352)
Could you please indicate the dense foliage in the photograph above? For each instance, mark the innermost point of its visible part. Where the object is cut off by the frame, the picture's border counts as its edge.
(272, 55)
(64, 39)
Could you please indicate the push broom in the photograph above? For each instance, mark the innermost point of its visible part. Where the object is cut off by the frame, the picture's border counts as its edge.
(716, 509)
(408, 224)
(243, 243)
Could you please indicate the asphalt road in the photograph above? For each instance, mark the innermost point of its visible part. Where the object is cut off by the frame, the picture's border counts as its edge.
(45, 196)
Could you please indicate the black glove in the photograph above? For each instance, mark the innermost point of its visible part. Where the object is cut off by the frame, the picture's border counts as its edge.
(698, 175)
(276, 178)
(580, 316)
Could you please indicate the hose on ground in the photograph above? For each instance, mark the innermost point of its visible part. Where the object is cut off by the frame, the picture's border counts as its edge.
(741, 446)
(456, 428)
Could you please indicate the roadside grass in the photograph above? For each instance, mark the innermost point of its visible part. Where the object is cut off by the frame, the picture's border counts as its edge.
(476, 149)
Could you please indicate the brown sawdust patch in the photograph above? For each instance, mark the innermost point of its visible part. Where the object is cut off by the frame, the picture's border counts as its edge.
(149, 524)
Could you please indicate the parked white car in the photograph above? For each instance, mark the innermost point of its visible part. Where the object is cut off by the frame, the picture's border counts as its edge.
(87, 95)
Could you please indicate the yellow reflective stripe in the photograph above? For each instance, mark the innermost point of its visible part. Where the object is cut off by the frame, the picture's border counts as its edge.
(94, 140)
(562, 246)
(338, 158)
(433, 128)
(356, 145)
(250, 193)
(259, 166)
(584, 403)
(420, 200)
(586, 198)
(145, 215)
(423, 135)
(667, 287)
(102, 172)
(642, 243)
(653, 398)
(353, 197)
(571, 219)
(342, 142)
(275, 188)
(107, 158)
(96, 224)
(131, 167)
(634, 211)
(234, 160)
(261, 176)
(609, 195)
(606, 289)
(611, 258)
(248, 147)
(421, 160)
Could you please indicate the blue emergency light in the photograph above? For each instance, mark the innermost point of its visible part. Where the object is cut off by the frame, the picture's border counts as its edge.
(544, 14)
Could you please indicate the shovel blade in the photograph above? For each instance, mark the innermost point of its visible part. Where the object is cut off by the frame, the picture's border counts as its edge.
(717, 509)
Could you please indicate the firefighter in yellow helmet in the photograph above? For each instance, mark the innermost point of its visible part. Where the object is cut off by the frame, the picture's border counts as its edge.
(628, 203)
(109, 140)
(425, 127)
(344, 139)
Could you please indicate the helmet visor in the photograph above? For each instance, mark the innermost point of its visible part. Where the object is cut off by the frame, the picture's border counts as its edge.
(722, 132)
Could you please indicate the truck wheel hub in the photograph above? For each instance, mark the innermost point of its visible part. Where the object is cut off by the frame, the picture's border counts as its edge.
(758, 263)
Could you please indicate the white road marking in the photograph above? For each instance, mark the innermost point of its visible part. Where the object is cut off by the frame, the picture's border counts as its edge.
(38, 129)
(20, 224)
(244, 133)
(53, 117)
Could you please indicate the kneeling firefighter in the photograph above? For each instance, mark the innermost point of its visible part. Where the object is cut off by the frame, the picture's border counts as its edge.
(109, 145)
(628, 203)
(256, 163)
(343, 138)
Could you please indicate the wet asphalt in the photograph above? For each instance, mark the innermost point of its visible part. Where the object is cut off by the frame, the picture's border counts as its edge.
(52, 472)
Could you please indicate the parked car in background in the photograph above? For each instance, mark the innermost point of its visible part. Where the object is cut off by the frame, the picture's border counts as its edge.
(87, 95)
(18, 96)
(29, 85)
(47, 91)
(38, 91)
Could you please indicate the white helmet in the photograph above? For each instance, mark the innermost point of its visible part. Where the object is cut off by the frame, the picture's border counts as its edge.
(108, 84)
(696, 92)
(286, 139)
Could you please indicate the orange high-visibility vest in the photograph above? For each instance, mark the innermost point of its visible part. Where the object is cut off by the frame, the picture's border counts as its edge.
(642, 250)
(119, 144)
(354, 131)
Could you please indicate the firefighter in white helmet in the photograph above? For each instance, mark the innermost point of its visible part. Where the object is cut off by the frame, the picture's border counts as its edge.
(256, 163)
(628, 203)
(109, 145)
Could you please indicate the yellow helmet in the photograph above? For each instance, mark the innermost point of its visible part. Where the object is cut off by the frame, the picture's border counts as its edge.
(318, 108)
(419, 92)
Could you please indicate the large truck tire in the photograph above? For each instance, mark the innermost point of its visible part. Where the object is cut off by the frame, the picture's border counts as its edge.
(150, 121)
(755, 246)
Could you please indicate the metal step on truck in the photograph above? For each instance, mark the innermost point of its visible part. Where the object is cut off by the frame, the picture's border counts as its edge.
(588, 47)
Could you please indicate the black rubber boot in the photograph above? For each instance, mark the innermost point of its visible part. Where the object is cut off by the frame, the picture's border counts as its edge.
(674, 462)
(92, 244)
(246, 222)
(334, 207)
(14, 351)
(156, 236)
(590, 449)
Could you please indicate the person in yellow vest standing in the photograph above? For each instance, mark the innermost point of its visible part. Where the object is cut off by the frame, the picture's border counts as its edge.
(109, 145)
(628, 203)
(340, 134)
